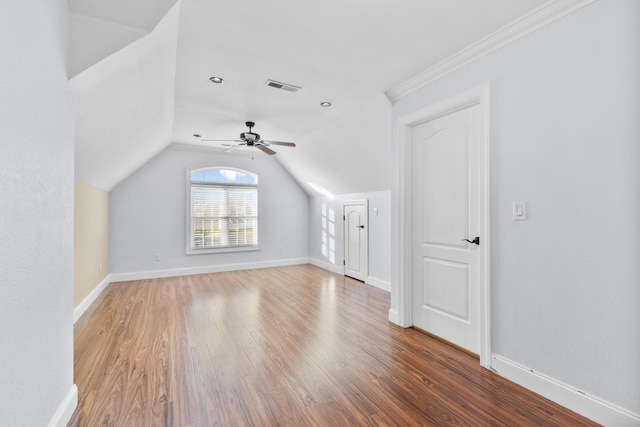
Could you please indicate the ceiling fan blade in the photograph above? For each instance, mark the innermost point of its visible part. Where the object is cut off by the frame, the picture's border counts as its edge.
(265, 149)
(222, 140)
(286, 144)
(233, 147)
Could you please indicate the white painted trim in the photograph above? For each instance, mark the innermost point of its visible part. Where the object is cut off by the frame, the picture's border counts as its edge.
(385, 285)
(479, 95)
(186, 271)
(403, 314)
(327, 266)
(65, 410)
(485, 205)
(584, 404)
(89, 299)
(393, 316)
(520, 27)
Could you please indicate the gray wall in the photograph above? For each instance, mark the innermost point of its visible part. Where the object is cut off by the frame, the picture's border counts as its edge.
(148, 214)
(565, 136)
(379, 231)
(36, 213)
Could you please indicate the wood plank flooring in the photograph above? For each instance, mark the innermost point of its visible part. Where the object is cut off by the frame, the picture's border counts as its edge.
(287, 346)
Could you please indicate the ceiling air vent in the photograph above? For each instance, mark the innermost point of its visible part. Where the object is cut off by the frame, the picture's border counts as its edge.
(283, 86)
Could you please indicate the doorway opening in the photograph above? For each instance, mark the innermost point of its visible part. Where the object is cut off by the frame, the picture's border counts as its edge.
(431, 266)
(356, 239)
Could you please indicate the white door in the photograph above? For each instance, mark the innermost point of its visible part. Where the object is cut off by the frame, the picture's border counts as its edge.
(356, 241)
(446, 176)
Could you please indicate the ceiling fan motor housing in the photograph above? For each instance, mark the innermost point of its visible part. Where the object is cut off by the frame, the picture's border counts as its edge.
(250, 137)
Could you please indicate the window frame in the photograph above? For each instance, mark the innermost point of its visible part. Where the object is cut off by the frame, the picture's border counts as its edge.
(188, 202)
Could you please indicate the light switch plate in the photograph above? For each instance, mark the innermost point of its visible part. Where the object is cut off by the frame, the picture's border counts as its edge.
(519, 211)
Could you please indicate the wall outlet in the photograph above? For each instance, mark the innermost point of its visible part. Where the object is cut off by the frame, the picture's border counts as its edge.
(157, 257)
(519, 211)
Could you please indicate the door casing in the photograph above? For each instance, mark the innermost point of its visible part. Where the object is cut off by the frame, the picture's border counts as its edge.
(479, 95)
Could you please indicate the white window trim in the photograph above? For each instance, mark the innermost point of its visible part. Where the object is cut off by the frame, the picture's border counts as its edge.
(187, 222)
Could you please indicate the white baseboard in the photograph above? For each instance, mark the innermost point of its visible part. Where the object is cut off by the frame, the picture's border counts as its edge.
(186, 271)
(89, 299)
(589, 406)
(156, 274)
(66, 408)
(393, 316)
(379, 283)
(338, 269)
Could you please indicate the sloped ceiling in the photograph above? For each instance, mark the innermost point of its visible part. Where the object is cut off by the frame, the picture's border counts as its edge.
(100, 28)
(152, 92)
(124, 107)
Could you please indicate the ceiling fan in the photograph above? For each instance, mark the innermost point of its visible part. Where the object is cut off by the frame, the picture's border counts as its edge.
(251, 139)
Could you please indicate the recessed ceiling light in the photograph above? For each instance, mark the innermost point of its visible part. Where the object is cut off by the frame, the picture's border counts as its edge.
(217, 80)
(197, 135)
(325, 104)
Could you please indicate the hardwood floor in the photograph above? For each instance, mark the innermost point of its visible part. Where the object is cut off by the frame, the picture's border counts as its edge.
(283, 346)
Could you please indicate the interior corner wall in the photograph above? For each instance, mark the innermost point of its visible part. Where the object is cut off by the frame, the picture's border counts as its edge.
(379, 233)
(91, 237)
(565, 103)
(148, 214)
(36, 215)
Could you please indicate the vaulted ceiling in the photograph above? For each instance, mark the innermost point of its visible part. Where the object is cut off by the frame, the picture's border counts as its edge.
(141, 70)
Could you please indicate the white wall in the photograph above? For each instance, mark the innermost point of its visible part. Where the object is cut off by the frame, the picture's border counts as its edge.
(148, 214)
(565, 136)
(36, 214)
(379, 234)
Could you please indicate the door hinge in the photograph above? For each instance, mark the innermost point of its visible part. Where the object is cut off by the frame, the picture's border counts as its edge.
(344, 217)
(344, 262)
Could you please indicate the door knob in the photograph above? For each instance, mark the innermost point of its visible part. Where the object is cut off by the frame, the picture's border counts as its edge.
(475, 241)
(361, 226)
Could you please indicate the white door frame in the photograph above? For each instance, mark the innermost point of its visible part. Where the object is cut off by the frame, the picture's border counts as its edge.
(475, 96)
(365, 203)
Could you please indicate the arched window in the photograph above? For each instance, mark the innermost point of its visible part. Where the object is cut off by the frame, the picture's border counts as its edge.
(223, 210)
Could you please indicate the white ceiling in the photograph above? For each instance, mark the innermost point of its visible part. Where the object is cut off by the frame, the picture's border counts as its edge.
(344, 51)
(124, 107)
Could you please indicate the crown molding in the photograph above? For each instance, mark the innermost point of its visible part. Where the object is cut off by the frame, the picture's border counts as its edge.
(520, 27)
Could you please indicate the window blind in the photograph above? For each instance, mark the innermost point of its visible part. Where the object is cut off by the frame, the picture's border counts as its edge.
(223, 216)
